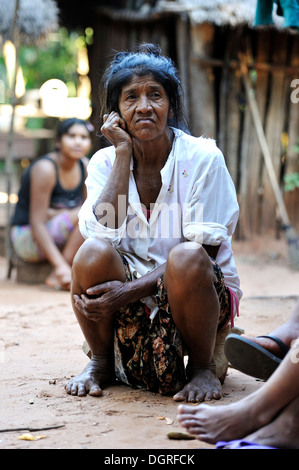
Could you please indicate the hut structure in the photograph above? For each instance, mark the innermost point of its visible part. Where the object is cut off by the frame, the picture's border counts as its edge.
(206, 40)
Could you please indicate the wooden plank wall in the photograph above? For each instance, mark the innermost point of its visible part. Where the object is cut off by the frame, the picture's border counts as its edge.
(274, 64)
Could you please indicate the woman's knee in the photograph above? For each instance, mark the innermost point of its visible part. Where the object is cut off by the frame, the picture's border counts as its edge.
(97, 259)
(189, 260)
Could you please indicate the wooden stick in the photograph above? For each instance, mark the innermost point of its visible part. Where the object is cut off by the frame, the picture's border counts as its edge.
(32, 429)
(235, 65)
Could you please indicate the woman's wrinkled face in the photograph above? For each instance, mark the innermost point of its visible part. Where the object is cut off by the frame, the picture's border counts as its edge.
(144, 106)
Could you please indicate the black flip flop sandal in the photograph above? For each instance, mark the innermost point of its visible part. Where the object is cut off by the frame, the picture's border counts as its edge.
(250, 358)
(284, 348)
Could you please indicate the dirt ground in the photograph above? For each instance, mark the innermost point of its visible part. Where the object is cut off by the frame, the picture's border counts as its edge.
(40, 349)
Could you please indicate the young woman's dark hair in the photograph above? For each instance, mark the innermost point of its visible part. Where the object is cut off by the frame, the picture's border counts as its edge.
(146, 59)
(64, 126)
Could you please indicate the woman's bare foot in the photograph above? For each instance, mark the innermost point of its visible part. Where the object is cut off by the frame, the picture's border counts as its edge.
(282, 432)
(213, 423)
(203, 385)
(97, 371)
(53, 282)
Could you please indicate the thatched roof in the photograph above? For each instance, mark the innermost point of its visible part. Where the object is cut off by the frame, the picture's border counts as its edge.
(232, 13)
(219, 12)
(36, 18)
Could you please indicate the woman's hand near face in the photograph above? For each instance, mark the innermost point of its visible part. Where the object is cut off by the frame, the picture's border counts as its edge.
(114, 129)
(117, 185)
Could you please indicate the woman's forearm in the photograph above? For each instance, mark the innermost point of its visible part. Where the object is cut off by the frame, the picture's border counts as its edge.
(144, 286)
(111, 206)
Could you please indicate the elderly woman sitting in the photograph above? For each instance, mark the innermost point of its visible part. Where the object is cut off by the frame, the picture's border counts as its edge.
(160, 210)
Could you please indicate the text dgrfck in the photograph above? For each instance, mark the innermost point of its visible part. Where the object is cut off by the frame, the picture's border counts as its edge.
(151, 459)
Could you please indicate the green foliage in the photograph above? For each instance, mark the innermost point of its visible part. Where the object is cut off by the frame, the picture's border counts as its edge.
(57, 58)
(291, 181)
(296, 147)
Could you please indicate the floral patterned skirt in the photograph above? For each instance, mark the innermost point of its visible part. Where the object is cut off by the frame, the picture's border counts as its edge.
(150, 353)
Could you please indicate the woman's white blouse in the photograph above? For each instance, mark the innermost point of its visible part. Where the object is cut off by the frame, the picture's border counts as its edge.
(197, 202)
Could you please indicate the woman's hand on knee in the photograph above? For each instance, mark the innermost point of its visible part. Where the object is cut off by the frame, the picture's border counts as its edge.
(101, 301)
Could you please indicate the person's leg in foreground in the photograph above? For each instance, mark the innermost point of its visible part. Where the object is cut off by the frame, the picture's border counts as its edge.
(269, 416)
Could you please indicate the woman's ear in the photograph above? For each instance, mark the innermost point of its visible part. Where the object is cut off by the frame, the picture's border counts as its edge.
(170, 113)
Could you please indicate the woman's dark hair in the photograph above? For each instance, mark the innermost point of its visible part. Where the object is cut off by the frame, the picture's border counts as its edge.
(64, 126)
(145, 59)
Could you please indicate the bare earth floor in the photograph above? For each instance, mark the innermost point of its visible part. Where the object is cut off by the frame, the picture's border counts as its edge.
(40, 349)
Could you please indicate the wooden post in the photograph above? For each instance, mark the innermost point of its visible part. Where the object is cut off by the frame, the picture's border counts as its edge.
(293, 124)
(229, 107)
(250, 191)
(10, 137)
(202, 97)
(183, 52)
(274, 126)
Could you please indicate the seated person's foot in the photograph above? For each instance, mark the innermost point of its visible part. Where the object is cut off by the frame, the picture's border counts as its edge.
(53, 282)
(274, 346)
(203, 385)
(96, 373)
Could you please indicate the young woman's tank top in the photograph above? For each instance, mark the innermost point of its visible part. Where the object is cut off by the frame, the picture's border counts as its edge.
(60, 197)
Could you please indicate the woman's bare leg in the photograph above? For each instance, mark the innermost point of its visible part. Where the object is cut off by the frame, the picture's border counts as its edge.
(95, 262)
(71, 247)
(189, 280)
(237, 420)
(282, 432)
(74, 242)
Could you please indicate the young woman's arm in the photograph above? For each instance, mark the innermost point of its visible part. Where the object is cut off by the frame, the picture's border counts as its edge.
(43, 179)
